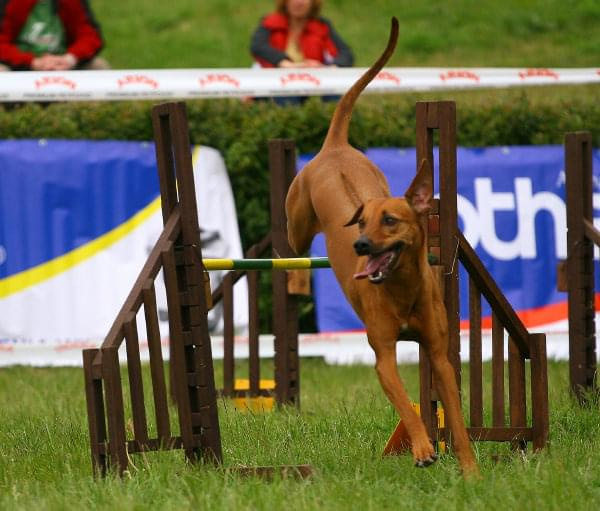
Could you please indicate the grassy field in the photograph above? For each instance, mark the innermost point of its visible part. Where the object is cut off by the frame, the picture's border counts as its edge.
(345, 420)
(216, 33)
(341, 429)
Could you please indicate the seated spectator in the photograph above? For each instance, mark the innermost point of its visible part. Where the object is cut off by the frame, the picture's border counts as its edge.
(49, 35)
(296, 36)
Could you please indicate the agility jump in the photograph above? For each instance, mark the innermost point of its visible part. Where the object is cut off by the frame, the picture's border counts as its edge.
(177, 252)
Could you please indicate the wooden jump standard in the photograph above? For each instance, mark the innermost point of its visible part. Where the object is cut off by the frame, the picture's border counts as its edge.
(284, 326)
(448, 244)
(581, 238)
(177, 252)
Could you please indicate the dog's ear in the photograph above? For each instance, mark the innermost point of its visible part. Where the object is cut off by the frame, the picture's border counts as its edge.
(420, 191)
(356, 216)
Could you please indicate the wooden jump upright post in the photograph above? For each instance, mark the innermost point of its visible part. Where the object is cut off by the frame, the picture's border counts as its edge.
(282, 169)
(176, 252)
(450, 247)
(282, 162)
(581, 237)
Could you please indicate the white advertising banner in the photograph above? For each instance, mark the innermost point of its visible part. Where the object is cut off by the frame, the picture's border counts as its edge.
(23, 86)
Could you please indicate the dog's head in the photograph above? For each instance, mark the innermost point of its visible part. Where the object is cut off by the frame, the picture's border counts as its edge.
(391, 226)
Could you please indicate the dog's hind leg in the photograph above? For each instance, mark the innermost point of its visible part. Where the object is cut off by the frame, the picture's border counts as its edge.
(302, 222)
(447, 388)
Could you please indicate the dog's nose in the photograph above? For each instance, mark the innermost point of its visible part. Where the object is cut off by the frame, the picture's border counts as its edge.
(362, 246)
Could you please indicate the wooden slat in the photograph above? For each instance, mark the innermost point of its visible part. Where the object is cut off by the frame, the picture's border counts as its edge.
(581, 234)
(159, 387)
(253, 333)
(95, 410)
(228, 336)
(164, 159)
(282, 163)
(426, 115)
(136, 386)
(497, 372)
(184, 173)
(475, 357)
(539, 391)
(446, 119)
(591, 232)
(177, 360)
(516, 390)
(115, 410)
(490, 290)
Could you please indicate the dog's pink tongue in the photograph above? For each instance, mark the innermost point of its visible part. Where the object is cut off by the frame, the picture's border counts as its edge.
(373, 265)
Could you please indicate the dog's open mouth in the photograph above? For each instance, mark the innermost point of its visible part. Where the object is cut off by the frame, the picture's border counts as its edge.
(379, 265)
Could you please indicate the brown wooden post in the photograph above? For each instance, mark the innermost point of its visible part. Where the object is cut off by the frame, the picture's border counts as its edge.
(517, 391)
(426, 121)
(475, 357)
(449, 226)
(580, 262)
(539, 391)
(497, 372)
(159, 387)
(115, 411)
(441, 115)
(95, 410)
(282, 164)
(253, 328)
(136, 386)
(190, 339)
(228, 337)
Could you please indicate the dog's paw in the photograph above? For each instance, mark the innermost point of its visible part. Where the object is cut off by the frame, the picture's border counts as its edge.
(423, 463)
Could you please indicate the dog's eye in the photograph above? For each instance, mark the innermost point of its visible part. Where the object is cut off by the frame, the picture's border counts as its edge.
(389, 220)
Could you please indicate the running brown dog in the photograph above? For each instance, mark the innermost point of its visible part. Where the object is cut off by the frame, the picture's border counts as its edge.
(382, 266)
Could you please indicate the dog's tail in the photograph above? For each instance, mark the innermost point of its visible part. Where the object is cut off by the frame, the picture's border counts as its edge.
(338, 128)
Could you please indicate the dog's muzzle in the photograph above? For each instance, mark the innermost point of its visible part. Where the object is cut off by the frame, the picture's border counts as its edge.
(379, 263)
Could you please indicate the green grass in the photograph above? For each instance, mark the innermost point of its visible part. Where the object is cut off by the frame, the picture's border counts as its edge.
(341, 429)
(345, 420)
(216, 33)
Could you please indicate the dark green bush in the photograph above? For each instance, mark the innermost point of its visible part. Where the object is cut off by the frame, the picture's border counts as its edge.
(241, 130)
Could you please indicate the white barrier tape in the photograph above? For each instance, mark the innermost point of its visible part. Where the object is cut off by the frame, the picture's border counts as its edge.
(335, 347)
(114, 85)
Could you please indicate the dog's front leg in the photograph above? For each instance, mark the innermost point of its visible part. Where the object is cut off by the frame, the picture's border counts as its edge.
(387, 372)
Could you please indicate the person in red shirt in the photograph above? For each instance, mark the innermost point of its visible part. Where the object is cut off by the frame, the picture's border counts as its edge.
(296, 36)
(49, 35)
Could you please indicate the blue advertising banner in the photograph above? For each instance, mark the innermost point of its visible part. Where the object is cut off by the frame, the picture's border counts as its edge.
(511, 209)
(77, 222)
(53, 200)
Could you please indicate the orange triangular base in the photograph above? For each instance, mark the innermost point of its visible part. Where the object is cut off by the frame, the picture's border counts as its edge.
(399, 441)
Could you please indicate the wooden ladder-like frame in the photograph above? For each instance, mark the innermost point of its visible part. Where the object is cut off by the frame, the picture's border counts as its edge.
(450, 247)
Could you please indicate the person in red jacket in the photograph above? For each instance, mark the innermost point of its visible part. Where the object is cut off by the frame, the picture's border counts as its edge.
(49, 35)
(296, 36)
